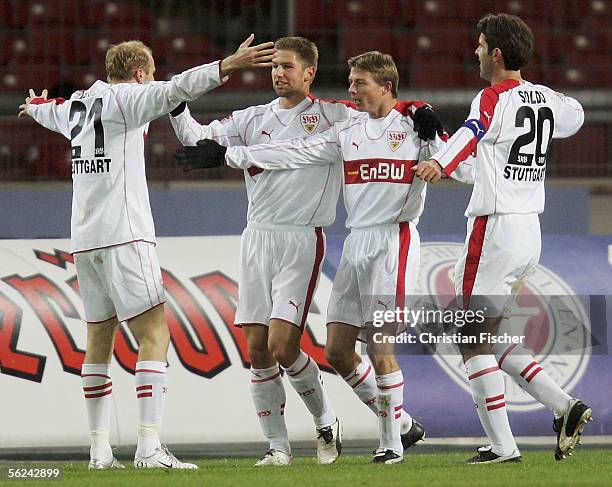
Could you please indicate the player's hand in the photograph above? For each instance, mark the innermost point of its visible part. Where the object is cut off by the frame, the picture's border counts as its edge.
(427, 123)
(23, 108)
(205, 155)
(429, 171)
(247, 56)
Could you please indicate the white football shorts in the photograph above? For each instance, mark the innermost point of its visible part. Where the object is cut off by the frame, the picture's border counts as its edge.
(500, 252)
(378, 270)
(123, 281)
(279, 273)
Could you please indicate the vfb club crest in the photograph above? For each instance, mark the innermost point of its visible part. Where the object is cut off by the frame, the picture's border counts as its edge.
(547, 313)
(395, 139)
(310, 122)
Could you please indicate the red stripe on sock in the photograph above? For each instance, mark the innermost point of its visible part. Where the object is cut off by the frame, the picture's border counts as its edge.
(95, 375)
(144, 394)
(99, 394)
(97, 388)
(494, 398)
(144, 371)
(483, 372)
(397, 408)
(142, 388)
(533, 374)
(301, 370)
(259, 381)
(528, 368)
(391, 386)
(503, 357)
(398, 415)
(496, 406)
(363, 377)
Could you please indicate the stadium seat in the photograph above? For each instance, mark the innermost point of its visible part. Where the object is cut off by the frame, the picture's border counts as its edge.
(68, 14)
(33, 47)
(356, 39)
(444, 37)
(120, 14)
(6, 17)
(583, 155)
(365, 10)
(430, 74)
(184, 50)
(82, 76)
(21, 78)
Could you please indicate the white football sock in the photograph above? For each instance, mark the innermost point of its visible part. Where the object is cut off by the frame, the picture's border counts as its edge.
(519, 364)
(363, 383)
(268, 395)
(305, 377)
(487, 387)
(390, 399)
(98, 388)
(151, 386)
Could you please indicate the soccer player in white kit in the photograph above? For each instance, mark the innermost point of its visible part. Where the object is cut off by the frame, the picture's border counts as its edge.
(283, 246)
(112, 232)
(375, 151)
(506, 138)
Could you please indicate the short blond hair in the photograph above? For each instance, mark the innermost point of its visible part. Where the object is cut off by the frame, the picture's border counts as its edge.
(380, 65)
(125, 58)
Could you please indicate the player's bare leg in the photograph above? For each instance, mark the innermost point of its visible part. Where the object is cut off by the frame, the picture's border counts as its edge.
(97, 389)
(268, 393)
(305, 377)
(488, 392)
(151, 331)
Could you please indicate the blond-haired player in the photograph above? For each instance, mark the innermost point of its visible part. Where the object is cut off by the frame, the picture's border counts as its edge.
(112, 232)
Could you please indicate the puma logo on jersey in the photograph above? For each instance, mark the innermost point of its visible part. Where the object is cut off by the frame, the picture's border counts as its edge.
(486, 114)
(356, 144)
(296, 306)
(269, 134)
(310, 122)
(384, 305)
(475, 125)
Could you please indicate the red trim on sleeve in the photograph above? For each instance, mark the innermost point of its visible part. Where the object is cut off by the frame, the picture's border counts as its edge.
(42, 101)
(404, 107)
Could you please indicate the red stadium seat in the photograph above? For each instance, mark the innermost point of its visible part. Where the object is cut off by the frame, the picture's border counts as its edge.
(21, 78)
(249, 80)
(120, 14)
(444, 37)
(69, 14)
(431, 74)
(83, 76)
(359, 38)
(34, 47)
(6, 14)
(365, 10)
(184, 50)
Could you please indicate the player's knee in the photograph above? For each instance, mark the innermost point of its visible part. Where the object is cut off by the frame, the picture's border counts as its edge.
(259, 354)
(284, 353)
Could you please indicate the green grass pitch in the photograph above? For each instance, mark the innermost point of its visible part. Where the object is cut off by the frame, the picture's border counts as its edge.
(587, 467)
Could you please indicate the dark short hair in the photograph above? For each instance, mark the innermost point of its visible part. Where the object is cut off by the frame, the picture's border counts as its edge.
(306, 50)
(380, 65)
(510, 35)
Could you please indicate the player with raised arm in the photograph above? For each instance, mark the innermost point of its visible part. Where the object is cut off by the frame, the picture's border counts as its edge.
(112, 232)
(507, 137)
(374, 150)
(283, 246)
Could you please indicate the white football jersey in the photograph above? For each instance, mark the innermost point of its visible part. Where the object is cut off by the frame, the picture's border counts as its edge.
(106, 125)
(305, 197)
(509, 132)
(375, 156)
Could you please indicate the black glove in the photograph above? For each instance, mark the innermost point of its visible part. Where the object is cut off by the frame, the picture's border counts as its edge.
(178, 110)
(427, 123)
(205, 155)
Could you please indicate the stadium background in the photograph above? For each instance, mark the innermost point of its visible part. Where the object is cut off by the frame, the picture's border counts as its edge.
(60, 44)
